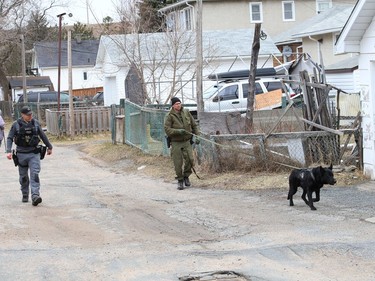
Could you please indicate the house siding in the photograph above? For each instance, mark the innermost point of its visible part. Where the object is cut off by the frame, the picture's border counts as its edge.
(311, 47)
(111, 94)
(94, 78)
(367, 84)
(344, 81)
(236, 15)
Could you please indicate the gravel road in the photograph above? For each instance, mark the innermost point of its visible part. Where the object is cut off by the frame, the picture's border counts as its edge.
(96, 223)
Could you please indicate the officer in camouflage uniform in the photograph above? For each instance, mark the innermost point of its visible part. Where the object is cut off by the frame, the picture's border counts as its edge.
(178, 125)
(26, 134)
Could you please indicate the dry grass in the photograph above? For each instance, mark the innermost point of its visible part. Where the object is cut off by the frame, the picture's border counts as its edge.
(124, 158)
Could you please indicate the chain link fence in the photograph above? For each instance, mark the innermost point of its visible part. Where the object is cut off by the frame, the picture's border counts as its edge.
(144, 128)
(271, 148)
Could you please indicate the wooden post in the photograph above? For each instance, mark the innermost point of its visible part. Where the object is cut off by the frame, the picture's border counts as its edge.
(253, 67)
(199, 59)
(70, 81)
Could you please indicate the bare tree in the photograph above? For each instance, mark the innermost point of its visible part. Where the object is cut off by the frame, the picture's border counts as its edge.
(10, 13)
(163, 61)
(183, 47)
(15, 15)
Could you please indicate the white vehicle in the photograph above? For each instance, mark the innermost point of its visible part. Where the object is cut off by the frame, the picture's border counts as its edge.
(231, 95)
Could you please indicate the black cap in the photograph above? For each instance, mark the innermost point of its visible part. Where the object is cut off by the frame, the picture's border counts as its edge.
(174, 100)
(26, 110)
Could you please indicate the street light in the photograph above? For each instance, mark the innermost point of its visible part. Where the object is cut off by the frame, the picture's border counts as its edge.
(60, 16)
(263, 35)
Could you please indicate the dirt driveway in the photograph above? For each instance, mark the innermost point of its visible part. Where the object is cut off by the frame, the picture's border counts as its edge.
(99, 224)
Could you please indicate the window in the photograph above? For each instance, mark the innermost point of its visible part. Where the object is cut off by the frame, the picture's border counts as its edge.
(245, 89)
(186, 19)
(229, 93)
(256, 12)
(171, 21)
(85, 75)
(180, 20)
(322, 5)
(272, 86)
(288, 10)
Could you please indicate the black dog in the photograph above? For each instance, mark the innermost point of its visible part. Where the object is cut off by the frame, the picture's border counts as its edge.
(311, 180)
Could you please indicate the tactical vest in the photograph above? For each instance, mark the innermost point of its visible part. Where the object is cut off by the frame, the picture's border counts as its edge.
(27, 135)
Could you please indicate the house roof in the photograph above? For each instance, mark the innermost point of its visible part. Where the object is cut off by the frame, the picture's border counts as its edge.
(31, 81)
(346, 65)
(84, 53)
(355, 27)
(331, 20)
(159, 46)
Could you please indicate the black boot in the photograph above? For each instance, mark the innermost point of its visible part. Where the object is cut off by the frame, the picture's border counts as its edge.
(25, 198)
(180, 185)
(37, 200)
(187, 182)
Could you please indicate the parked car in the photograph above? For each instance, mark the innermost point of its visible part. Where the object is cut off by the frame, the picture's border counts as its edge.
(45, 96)
(231, 95)
(98, 99)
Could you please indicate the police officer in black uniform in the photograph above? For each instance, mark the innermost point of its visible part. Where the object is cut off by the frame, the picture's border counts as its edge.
(26, 134)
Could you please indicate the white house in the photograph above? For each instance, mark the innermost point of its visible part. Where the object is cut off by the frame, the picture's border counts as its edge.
(161, 61)
(358, 36)
(84, 76)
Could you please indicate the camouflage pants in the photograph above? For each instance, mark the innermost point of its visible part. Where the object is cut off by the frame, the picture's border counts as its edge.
(182, 156)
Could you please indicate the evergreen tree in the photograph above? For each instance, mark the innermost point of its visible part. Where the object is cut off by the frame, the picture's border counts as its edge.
(81, 31)
(37, 28)
(150, 20)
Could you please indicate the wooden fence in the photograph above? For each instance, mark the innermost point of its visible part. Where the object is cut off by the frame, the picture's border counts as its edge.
(86, 121)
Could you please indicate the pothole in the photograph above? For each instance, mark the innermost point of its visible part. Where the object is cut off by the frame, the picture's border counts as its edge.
(223, 275)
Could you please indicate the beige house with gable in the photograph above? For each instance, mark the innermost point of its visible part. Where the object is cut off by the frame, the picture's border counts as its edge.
(276, 16)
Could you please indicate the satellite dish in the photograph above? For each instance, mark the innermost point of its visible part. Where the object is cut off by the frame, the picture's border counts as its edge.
(287, 51)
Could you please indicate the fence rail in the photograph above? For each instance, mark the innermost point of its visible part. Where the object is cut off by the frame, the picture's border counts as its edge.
(86, 121)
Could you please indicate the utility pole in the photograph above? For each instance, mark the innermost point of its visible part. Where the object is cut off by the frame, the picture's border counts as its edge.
(87, 12)
(199, 59)
(24, 84)
(60, 16)
(71, 108)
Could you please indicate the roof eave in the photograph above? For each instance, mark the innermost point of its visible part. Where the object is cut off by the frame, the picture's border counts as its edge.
(290, 41)
(174, 6)
(315, 33)
(344, 44)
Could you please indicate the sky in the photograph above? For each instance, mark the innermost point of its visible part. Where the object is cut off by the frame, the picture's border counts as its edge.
(84, 11)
